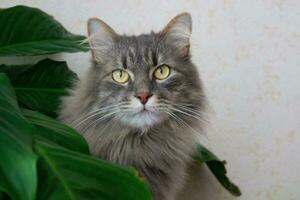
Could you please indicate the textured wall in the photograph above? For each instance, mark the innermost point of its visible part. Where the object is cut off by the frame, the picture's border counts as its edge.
(248, 56)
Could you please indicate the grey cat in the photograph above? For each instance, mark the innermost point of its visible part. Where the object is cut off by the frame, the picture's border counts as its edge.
(141, 103)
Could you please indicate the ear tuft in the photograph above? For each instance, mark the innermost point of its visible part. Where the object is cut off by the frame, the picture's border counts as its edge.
(101, 38)
(178, 32)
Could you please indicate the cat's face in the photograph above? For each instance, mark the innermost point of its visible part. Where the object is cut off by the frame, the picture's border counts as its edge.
(145, 80)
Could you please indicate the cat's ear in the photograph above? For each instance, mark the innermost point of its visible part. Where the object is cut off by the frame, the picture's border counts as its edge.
(178, 32)
(101, 38)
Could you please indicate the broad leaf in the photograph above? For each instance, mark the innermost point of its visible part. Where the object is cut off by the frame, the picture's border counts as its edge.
(18, 176)
(217, 167)
(52, 131)
(3, 196)
(30, 31)
(68, 175)
(40, 86)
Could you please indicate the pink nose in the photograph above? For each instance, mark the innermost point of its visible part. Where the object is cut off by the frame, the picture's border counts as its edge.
(143, 97)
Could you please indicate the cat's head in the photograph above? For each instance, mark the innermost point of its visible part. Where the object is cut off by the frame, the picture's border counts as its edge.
(147, 79)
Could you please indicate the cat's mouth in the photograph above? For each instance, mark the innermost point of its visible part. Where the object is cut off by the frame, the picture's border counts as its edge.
(144, 109)
(144, 117)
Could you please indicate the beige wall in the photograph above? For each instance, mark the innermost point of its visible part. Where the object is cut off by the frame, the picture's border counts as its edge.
(248, 56)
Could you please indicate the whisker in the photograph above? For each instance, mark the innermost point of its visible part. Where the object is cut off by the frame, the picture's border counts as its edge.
(200, 114)
(94, 111)
(181, 121)
(112, 112)
(97, 112)
(188, 114)
(90, 117)
(97, 121)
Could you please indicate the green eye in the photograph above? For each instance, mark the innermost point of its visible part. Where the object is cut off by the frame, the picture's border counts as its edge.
(162, 72)
(120, 76)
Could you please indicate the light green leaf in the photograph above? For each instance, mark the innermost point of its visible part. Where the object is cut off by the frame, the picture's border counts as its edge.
(18, 176)
(73, 176)
(217, 167)
(30, 31)
(40, 86)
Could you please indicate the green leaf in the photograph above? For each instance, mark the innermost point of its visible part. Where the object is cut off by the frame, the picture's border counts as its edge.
(52, 131)
(4, 196)
(40, 86)
(30, 31)
(18, 176)
(217, 167)
(69, 175)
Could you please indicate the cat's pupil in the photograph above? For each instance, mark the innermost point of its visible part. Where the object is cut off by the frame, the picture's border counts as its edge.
(121, 74)
(161, 70)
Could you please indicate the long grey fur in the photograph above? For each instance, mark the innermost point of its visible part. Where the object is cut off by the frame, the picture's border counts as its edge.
(161, 149)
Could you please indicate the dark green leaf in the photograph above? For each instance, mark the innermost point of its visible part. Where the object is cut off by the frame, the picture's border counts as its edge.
(30, 31)
(40, 86)
(68, 175)
(17, 163)
(4, 196)
(217, 167)
(50, 130)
